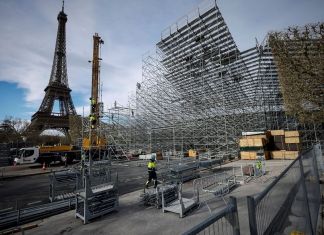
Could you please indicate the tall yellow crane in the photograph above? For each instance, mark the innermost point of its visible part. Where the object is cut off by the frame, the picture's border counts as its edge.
(94, 140)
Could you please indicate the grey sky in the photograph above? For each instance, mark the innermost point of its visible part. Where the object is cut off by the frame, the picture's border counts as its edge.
(129, 28)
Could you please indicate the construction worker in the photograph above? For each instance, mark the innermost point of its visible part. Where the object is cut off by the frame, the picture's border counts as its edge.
(92, 121)
(258, 167)
(93, 104)
(151, 167)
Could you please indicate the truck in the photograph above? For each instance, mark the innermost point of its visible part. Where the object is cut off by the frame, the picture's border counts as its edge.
(48, 154)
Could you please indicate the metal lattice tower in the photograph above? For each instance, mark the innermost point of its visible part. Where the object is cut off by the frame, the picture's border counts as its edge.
(57, 90)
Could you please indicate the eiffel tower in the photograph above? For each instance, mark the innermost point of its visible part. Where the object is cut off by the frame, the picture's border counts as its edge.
(57, 90)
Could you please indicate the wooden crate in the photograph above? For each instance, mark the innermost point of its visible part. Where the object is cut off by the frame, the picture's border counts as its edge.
(291, 133)
(192, 153)
(244, 142)
(248, 155)
(292, 140)
(278, 154)
(277, 132)
(255, 137)
(291, 155)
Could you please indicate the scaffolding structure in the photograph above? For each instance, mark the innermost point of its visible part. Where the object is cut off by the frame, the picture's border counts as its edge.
(198, 91)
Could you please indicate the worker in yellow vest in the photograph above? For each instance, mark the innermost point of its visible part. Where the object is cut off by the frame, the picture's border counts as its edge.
(151, 167)
(93, 105)
(92, 121)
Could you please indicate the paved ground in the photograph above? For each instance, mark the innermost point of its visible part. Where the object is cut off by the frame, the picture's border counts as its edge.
(11, 172)
(133, 218)
(27, 185)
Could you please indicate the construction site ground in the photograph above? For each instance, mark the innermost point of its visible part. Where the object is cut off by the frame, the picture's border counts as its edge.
(133, 218)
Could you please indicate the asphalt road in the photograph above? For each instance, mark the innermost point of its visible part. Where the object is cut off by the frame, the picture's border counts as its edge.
(34, 190)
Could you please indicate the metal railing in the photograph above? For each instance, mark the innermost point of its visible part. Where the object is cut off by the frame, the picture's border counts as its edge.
(223, 222)
(25, 215)
(213, 186)
(291, 202)
(62, 185)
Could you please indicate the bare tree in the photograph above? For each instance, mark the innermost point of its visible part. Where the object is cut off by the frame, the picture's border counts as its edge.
(12, 129)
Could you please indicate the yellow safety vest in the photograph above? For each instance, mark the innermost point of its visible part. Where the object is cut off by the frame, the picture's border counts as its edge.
(258, 165)
(151, 165)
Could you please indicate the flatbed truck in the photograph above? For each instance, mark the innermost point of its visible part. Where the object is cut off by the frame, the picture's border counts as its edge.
(48, 154)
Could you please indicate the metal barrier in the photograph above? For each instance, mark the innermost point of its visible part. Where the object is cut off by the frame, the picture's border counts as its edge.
(25, 215)
(223, 222)
(291, 202)
(179, 206)
(97, 192)
(153, 196)
(62, 185)
(213, 186)
(180, 172)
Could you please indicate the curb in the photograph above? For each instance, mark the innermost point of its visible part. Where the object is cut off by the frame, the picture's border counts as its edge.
(32, 174)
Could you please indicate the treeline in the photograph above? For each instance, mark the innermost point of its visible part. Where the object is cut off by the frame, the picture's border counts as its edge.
(13, 131)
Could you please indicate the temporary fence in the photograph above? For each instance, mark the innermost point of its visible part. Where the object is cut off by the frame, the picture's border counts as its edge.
(223, 222)
(291, 202)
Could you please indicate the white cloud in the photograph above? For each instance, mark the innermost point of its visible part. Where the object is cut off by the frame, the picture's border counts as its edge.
(83, 110)
(128, 27)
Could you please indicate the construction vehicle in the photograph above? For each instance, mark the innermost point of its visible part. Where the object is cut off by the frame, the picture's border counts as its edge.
(95, 142)
(48, 154)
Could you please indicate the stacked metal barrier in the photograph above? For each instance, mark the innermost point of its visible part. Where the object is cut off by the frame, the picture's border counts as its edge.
(25, 215)
(209, 163)
(153, 197)
(183, 172)
(98, 194)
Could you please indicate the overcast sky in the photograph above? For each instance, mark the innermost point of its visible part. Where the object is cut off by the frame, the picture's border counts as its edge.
(129, 28)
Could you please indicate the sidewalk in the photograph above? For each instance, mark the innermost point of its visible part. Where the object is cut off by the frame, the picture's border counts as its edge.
(10, 172)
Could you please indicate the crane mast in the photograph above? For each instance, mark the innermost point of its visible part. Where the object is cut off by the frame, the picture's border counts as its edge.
(94, 141)
(94, 99)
